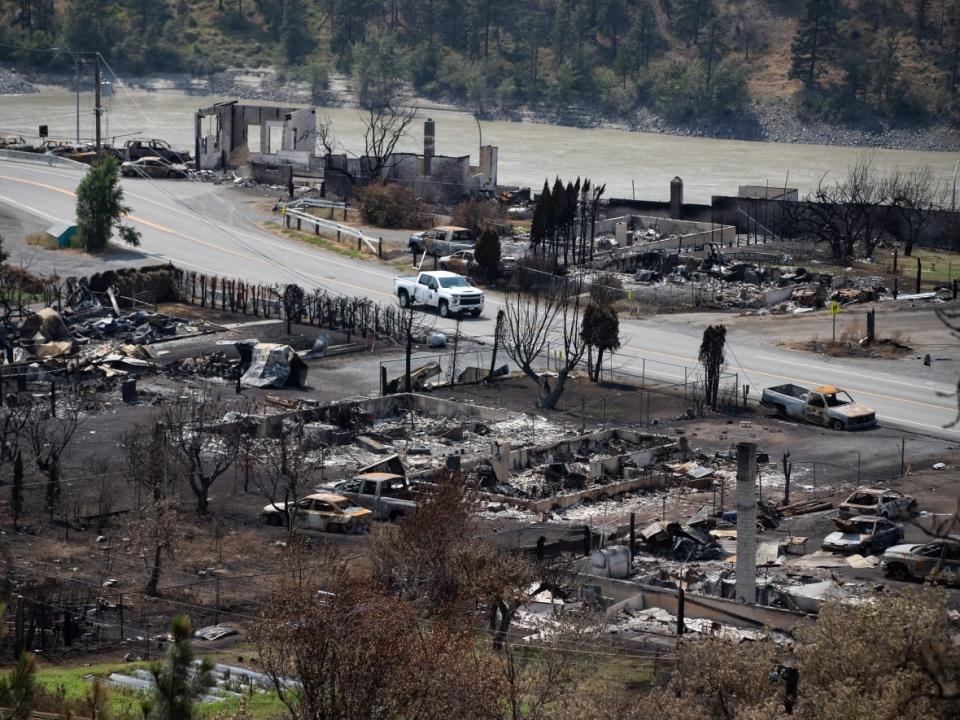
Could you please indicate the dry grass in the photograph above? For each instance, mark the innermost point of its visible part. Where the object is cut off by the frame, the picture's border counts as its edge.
(850, 342)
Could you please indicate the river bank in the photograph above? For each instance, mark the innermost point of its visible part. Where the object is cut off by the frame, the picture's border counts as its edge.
(771, 121)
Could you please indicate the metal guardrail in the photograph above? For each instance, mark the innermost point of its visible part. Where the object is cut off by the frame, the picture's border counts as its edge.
(375, 245)
(42, 159)
(314, 202)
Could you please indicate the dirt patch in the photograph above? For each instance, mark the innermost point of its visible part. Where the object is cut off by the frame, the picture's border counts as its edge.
(884, 349)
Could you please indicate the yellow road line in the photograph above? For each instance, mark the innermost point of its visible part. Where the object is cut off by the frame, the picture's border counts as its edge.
(213, 246)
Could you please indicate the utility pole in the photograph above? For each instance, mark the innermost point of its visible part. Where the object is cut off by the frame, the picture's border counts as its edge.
(97, 109)
(76, 67)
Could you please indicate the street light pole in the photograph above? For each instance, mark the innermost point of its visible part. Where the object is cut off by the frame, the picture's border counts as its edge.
(97, 109)
(76, 67)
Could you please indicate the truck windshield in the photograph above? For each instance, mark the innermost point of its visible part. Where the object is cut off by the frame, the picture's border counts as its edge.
(462, 236)
(453, 282)
(840, 398)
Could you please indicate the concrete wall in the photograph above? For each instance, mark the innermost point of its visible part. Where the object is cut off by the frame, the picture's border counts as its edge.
(625, 593)
(234, 120)
(616, 207)
(561, 450)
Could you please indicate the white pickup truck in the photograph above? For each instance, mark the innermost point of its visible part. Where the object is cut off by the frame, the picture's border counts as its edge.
(448, 292)
(825, 405)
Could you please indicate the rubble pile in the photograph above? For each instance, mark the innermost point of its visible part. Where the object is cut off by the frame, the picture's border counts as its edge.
(755, 282)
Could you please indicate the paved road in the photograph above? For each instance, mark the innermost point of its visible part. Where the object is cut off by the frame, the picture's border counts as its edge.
(199, 226)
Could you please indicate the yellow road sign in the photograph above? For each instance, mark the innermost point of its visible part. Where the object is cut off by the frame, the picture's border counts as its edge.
(834, 308)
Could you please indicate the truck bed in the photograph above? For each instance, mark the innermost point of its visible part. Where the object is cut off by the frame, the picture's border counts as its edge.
(790, 390)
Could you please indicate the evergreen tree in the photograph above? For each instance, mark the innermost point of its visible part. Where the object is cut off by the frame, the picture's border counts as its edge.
(562, 30)
(642, 43)
(813, 43)
(100, 207)
(538, 224)
(91, 26)
(713, 48)
(690, 16)
(294, 33)
(19, 687)
(177, 691)
(487, 253)
(611, 17)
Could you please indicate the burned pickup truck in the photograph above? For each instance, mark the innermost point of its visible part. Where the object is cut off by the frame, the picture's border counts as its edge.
(389, 496)
(824, 405)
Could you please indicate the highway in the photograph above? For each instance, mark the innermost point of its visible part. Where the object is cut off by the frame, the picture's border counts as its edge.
(196, 225)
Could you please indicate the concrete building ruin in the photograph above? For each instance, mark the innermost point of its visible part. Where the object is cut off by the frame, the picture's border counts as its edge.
(277, 143)
(264, 137)
(435, 178)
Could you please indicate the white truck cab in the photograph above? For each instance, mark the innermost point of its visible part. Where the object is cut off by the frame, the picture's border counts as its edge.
(446, 291)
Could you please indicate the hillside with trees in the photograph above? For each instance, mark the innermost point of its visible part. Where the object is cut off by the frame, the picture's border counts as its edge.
(696, 62)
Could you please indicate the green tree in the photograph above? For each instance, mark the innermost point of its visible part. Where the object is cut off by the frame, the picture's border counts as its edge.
(100, 207)
(690, 16)
(91, 26)
(487, 253)
(294, 33)
(177, 690)
(18, 688)
(642, 43)
(3, 252)
(601, 331)
(813, 43)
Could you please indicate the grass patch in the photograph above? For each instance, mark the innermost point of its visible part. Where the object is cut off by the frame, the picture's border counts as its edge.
(42, 240)
(73, 683)
(316, 240)
(939, 266)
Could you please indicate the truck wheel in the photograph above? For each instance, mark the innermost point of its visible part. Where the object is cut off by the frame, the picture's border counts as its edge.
(404, 299)
(836, 425)
(444, 309)
(395, 516)
(780, 410)
(475, 313)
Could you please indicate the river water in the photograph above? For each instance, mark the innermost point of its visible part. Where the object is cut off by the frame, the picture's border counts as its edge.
(628, 162)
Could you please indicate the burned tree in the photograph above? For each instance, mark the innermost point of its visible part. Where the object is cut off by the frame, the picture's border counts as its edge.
(351, 656)
(286, 471)
(385, 122)
(16, 491)
(154, 523)
(550, 308)
(916, 196)
(202, 445)
(49, 438)
(414, 327)
(849, 214)
(155, 528)
(712, 358)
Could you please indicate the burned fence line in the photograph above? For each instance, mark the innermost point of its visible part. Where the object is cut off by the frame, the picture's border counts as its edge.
(319, 307)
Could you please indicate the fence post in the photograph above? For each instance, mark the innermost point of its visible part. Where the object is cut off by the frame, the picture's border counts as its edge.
(380, 249)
